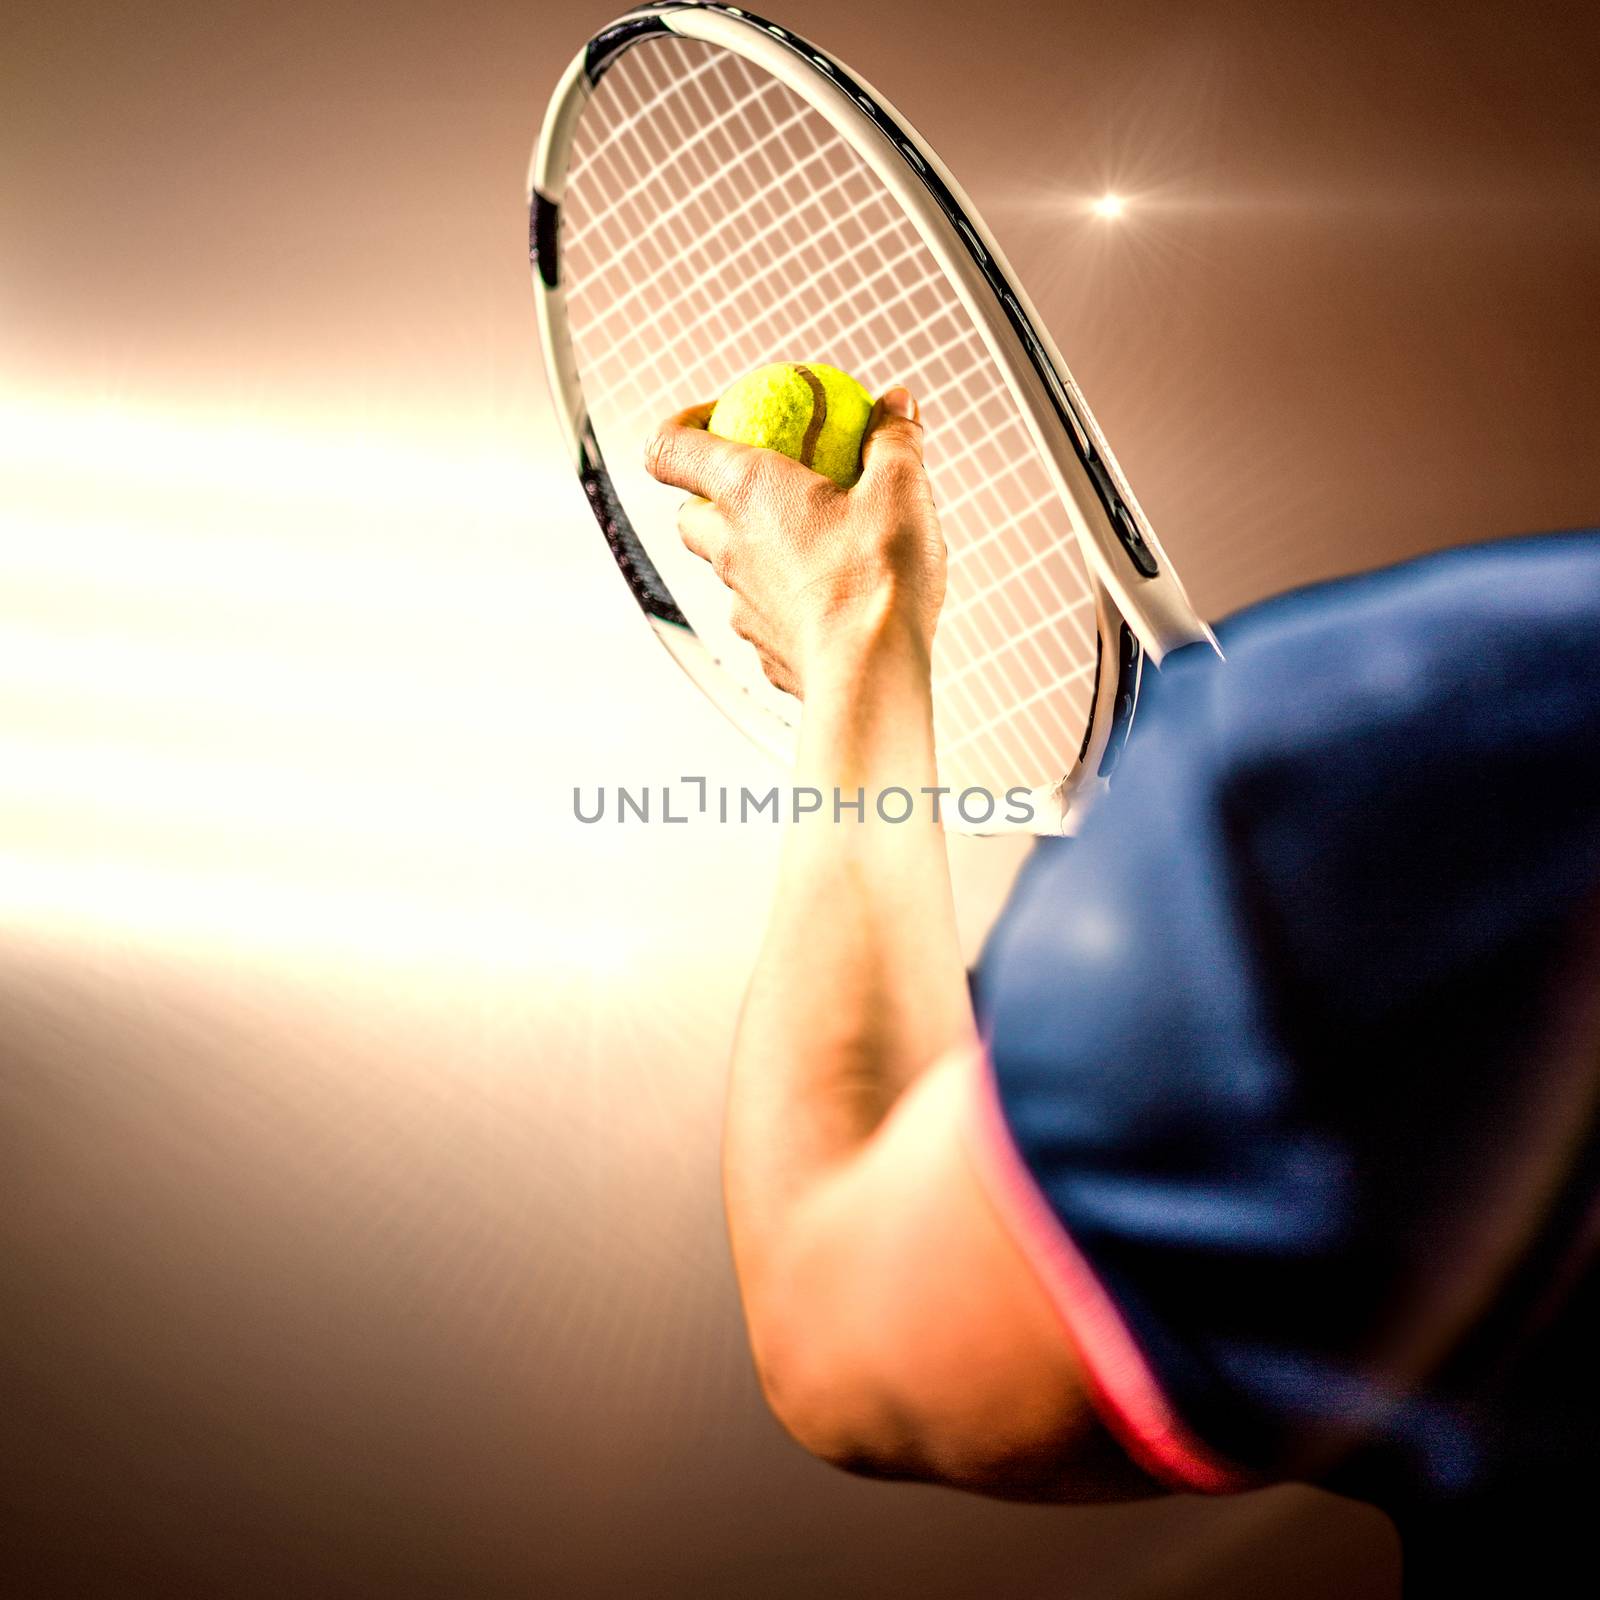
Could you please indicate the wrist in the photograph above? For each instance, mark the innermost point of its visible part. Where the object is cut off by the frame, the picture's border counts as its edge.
(872, 635)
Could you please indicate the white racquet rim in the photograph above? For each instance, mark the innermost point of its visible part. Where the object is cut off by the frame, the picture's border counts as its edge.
(1141, 607)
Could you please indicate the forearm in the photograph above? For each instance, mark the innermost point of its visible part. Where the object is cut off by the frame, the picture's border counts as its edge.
(859, 984)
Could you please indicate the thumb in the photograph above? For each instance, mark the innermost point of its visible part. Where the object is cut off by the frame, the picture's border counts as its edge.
(893, 440)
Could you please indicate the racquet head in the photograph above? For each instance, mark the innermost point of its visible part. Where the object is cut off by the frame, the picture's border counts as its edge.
(710, 193)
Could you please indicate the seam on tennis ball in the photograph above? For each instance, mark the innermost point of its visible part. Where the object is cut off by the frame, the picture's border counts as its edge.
(819, 414)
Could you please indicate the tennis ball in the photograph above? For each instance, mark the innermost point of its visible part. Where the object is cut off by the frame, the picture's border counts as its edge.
(813, 413)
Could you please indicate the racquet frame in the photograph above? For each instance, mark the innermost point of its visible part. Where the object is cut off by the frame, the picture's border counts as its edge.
(1140, 605)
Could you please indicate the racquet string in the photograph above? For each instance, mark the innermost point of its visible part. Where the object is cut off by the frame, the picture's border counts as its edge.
(713, 222)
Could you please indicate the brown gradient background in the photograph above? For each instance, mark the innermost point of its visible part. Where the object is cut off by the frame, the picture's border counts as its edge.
(360, 1231)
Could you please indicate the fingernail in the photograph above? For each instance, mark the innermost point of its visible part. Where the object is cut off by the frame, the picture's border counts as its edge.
(899, 403)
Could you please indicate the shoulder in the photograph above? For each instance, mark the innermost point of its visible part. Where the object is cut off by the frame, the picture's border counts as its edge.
(1288, 1040)
(1478, 645)
(1406, 762)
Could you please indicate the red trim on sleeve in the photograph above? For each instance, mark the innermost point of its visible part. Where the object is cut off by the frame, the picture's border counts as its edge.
(1124, 1389)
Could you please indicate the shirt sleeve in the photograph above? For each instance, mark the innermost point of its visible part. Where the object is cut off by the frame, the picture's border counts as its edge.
(1281, 1097)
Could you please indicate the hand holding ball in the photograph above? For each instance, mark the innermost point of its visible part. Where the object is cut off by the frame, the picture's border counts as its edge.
(815, 414)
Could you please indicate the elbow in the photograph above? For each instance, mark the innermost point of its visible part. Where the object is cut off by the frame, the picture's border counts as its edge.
(811, 1400)
(1040, 1453)
(800, 1400)
(860, 1429)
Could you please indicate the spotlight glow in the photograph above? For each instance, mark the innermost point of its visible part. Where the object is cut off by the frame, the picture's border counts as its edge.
(1109, 206)
(269, 687)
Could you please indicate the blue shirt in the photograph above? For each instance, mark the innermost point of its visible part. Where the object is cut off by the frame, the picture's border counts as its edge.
(1298, 1042)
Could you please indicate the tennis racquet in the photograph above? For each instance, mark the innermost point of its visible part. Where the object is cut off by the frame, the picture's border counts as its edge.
(709, 193)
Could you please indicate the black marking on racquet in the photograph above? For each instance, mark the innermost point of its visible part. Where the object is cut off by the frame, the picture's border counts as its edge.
(542, 226)
(606, 46)
(631, 557)
(1130, 666)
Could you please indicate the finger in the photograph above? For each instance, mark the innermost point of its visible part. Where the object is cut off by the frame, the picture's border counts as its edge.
(702, 529)
(893, 441)
(682, 453)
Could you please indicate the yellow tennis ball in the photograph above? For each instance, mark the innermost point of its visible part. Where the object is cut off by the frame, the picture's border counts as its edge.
(813, 413)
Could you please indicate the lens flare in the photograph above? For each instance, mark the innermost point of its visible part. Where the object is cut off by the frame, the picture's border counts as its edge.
(265, 686)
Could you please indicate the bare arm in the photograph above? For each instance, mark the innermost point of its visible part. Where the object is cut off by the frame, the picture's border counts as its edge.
(895, 1326)
(859, 985)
